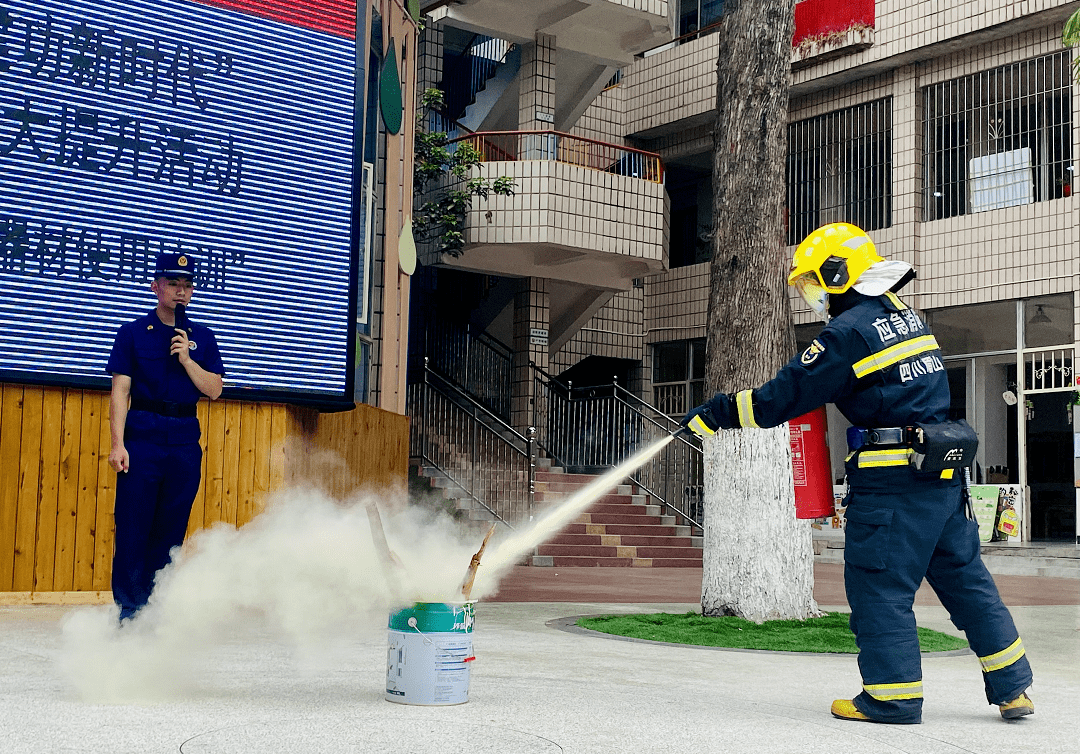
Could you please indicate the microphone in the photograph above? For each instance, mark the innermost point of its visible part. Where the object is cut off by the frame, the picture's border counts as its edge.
(179, 321)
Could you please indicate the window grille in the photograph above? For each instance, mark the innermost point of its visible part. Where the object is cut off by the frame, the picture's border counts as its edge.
(840, 169)
(998, 138)
(679, 376)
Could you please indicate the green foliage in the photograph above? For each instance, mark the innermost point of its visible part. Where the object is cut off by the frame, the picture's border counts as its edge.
(441, 217)
(1070, 37)
(829, 633)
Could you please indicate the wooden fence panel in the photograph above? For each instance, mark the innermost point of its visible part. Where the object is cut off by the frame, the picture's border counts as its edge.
(104, 528)
(48, 502)
(263, 438)
(10, 463)
(68, 491)
(245, 482)
(230, 471)
(58, 490)
(29, 479)
(86, 513)
(215, 461)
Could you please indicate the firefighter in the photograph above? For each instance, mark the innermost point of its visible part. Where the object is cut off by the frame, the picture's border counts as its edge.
(908, 517)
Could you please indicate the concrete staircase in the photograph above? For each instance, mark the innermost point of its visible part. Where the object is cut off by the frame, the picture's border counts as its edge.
(621, 529)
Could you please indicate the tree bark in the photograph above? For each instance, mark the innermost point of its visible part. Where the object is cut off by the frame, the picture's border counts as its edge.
(758, 561)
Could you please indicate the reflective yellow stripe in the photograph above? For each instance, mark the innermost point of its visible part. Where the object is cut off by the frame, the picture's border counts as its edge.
(745, 402)
(892, 354)
(1004, 658)
(870, 459)
(698, 426)
(947, 473)
(885, 692)
(895, 301)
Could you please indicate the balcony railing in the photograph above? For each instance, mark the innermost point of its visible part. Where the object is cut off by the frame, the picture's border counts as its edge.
(509, 146)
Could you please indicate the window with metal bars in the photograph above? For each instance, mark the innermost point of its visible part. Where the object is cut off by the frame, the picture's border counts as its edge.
(679, 376)
(998, 138)
(839, 169)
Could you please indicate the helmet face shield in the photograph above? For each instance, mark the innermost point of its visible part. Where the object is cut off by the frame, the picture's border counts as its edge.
(815, 296)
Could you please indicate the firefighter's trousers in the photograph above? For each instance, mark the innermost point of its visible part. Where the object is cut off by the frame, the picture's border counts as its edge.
(899, 530)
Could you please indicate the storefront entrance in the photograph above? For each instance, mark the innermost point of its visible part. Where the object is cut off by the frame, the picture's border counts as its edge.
(1010, 369)
(1050, 466)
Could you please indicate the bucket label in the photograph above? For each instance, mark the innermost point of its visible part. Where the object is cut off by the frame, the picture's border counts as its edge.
(434, 617)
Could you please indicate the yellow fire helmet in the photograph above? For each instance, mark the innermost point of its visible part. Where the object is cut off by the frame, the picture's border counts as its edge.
(830, 260)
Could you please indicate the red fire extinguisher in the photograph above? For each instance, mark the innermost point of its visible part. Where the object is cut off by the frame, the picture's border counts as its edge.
(811, 466)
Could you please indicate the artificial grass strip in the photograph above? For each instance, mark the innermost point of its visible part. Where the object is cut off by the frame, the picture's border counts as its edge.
(829, 633)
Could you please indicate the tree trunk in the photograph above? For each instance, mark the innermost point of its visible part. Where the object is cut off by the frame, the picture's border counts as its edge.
(758, 558)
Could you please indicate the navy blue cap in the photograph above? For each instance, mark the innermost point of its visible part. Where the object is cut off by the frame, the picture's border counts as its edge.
(171, 265)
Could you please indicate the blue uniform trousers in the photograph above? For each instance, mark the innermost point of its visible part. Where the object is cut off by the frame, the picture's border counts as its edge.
(153, 503)
(899, 530)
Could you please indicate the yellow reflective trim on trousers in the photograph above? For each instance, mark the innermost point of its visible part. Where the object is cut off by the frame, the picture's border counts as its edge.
(871, 459)
(698, 426)
(887, 692)
(895, 300)
(744, 400)
(1004, 658)
(882, 359)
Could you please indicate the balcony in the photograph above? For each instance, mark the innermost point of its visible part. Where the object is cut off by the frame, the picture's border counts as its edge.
(584, 212)
(603, 30)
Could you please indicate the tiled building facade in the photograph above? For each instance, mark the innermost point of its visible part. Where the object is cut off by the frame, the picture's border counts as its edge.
(948, 131)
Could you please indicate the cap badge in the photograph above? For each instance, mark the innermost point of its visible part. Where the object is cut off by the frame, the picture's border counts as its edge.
(182, 261)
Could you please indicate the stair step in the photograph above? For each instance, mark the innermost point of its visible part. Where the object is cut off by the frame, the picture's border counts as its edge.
(602, 551)
(562, 477)
(624, 509)
(627, 529)
(617, 519)
(572, 561)
(627, 541)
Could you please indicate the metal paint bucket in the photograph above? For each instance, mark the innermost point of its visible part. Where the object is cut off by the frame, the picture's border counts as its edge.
(429, 653)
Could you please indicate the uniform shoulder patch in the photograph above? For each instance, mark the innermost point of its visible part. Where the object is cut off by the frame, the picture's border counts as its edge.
(810, 355)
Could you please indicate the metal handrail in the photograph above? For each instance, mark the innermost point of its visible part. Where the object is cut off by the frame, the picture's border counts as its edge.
(597, 427)
(474, 361)
(510, 146)
(493, 464)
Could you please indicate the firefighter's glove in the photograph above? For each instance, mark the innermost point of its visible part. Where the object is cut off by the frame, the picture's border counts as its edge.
(709, 417)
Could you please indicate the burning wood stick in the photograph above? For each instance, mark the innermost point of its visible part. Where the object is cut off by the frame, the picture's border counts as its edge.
(470, 575)
(390, 561)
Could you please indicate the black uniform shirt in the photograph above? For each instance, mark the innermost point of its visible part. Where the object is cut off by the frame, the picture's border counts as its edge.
(141, 351)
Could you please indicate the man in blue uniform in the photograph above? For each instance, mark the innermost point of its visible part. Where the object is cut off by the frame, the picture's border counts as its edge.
(164, 364)
(877, 361)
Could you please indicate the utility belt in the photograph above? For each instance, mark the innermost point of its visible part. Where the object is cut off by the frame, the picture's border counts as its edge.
(164, 408)
(924, 447)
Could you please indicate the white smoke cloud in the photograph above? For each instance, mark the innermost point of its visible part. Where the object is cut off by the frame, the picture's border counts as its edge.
(309, 571)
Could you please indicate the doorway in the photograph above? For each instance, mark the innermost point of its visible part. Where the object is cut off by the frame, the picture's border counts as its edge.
(1050, 466)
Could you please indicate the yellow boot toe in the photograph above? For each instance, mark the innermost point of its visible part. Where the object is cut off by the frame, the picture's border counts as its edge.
(845, 709)
(1018, 707)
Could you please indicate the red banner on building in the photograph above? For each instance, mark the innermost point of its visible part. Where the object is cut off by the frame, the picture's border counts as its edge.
(819, 18)
(336, 17)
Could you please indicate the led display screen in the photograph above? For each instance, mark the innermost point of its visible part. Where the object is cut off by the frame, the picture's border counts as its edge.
(225, 132)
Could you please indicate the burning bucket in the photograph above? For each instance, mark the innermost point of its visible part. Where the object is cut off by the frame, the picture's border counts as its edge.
(430, 648)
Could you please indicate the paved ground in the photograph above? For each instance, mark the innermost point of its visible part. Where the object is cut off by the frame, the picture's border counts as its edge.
(539, 689)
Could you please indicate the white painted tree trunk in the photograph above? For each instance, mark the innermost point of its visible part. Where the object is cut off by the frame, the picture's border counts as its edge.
(759, 558)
